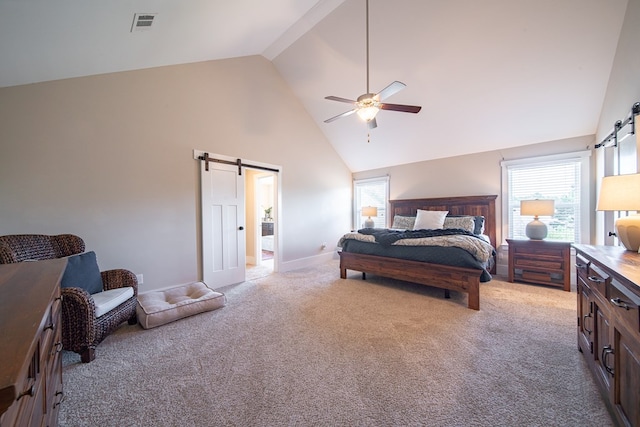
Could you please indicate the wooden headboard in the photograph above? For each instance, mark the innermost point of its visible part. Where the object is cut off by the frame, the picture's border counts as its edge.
(468, 205)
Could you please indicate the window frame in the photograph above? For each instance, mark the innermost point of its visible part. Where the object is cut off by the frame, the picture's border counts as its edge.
(585, 194)
(356, 218)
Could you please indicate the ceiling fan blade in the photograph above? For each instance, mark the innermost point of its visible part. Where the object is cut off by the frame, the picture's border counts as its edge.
(393, 88)
(337, 98)
(402, 108)
(346, 113)
(372, 123)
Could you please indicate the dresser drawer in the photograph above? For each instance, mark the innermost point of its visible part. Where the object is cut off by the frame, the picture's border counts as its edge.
(597, 279)
(625, 306)
(52, 327)
(582, 264)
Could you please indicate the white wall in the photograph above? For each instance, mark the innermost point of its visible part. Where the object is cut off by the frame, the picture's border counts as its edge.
(109, 158)
(469, 175)
(623, 91)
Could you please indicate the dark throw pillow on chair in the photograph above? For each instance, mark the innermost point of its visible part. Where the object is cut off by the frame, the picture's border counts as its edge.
(82, 272)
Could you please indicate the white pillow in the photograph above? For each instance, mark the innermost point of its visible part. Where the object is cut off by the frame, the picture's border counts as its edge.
(429, 220)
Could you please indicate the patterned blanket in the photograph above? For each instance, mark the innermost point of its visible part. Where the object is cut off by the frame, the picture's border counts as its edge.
(475, 245)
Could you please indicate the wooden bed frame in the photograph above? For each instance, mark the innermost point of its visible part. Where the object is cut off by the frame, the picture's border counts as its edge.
(441, 276)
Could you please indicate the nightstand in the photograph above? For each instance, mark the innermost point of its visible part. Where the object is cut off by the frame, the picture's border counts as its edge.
(540, 261)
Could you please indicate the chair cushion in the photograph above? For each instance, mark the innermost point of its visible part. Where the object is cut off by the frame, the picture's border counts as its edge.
(159, 307)
(106, 301)
(82, 272)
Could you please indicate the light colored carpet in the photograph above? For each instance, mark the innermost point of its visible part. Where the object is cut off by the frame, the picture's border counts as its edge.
(306, 348)
(254, 272)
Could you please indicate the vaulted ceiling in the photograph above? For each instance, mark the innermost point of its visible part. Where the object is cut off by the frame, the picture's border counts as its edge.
(489, 74)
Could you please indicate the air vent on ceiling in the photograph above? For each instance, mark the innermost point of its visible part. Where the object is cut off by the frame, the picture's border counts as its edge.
(142, 21)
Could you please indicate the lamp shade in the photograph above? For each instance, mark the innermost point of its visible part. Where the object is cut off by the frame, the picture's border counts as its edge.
(537, 207)
(536, 229)
(620, 193)
(369, 211)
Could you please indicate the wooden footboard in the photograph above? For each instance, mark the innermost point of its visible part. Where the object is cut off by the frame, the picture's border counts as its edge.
(440, 276)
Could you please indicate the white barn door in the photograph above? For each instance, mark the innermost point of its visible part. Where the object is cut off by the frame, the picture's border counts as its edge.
(223, 228)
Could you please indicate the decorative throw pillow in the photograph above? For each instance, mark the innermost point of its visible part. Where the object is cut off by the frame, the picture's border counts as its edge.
(429, 220)
(478, 220)
(403, 222)
(466, 223)
(82, 272)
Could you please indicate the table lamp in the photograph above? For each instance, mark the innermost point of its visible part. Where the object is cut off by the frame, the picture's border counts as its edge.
(622, 193)
(536, 229)
(369, 211)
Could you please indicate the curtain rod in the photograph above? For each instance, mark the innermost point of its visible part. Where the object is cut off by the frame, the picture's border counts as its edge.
(611, 140)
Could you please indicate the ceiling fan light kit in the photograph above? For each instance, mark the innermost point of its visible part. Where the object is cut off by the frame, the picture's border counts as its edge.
(368, 105)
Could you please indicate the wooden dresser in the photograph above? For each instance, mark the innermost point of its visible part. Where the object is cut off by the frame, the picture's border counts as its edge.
(608, 287)
(31, 343)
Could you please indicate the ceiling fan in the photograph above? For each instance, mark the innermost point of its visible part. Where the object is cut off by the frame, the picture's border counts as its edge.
(368, 105)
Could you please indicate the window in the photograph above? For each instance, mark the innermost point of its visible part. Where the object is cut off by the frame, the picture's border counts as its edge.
(563, 178)
(371, 192)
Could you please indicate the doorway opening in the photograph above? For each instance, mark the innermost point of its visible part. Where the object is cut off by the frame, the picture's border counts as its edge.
(261, 214)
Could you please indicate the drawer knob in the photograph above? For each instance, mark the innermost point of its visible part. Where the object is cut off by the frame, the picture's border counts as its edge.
(595, 279)
(619, 303)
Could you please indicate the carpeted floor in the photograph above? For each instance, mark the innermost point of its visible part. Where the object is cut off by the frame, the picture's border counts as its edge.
(306, 348)
(254, 272)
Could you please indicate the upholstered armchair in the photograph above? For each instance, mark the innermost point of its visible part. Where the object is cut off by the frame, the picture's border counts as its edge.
(94, 303)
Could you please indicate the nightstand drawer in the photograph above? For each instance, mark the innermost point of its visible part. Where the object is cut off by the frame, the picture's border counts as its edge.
(536, 276)
(538, 263)
(535, 251)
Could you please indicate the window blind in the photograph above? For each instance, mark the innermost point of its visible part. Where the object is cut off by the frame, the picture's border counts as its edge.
(371, 192)
(558, 180)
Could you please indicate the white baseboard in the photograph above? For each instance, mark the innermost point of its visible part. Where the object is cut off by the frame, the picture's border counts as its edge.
(306, 262)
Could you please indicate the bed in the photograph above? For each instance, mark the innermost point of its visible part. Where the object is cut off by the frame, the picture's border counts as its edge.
(448, 277)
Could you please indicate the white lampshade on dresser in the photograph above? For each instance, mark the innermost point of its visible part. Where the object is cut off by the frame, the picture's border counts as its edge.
(536, 229)
(622, 193)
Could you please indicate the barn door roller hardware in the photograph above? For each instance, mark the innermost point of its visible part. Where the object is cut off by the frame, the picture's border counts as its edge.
(612, 139)
(205, 157)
